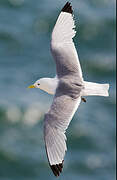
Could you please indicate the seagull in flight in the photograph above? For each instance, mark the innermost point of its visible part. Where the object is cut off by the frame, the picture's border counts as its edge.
(68, 88)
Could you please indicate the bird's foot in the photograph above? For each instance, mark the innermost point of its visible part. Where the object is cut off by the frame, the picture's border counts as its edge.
(83, 99)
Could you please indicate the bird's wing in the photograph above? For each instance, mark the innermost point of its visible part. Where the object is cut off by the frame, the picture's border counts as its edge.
(55, 124)
(62, 46)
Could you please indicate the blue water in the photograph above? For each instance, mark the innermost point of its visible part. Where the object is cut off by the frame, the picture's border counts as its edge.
(25, 30)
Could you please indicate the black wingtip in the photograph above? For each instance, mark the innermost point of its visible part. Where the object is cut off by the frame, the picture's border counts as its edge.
(57, 169)
(67, 8)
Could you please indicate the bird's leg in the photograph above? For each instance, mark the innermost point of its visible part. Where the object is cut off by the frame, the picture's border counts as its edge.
(83, 99)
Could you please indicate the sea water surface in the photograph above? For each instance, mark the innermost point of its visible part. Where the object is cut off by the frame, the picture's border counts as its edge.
(25, 33)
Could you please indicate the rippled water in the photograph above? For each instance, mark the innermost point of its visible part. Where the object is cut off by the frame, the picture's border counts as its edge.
(25, 30)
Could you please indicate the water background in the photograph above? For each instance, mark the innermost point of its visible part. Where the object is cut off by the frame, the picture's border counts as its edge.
(25, 31)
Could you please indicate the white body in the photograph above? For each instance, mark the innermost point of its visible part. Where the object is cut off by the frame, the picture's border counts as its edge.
(90, 88)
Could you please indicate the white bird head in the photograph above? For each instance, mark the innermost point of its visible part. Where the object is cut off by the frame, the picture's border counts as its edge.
(46, 84)
(40, 83)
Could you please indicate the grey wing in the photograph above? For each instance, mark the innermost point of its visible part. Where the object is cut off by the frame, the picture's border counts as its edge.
(62, 46)
(55, 124)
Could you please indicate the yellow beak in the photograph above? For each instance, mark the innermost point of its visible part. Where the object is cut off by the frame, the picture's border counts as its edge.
(32, 86)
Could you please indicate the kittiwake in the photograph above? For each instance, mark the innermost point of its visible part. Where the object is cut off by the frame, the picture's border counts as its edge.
(68, 87)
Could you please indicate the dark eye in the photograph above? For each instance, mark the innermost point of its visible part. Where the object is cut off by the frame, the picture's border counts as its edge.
(38, 84)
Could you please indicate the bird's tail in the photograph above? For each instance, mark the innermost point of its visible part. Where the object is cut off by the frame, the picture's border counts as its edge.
(95, 89)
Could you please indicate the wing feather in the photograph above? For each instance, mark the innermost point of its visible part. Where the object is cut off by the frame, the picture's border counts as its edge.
(54, 133)
(67, 97)
(62, 46)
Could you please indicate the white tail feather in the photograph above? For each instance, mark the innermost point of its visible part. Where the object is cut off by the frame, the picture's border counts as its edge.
(95, 89)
